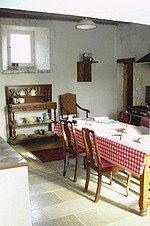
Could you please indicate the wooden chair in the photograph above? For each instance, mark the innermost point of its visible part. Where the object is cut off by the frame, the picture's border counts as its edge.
(97, 163)
(145, 122)
(70, 147)
(68, 105)
(125, 116)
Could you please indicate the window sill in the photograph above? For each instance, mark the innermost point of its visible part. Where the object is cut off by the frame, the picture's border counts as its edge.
(25, 71)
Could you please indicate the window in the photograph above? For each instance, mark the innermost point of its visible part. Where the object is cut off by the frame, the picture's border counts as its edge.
(20, 43)
(26, 47)
(20, 48)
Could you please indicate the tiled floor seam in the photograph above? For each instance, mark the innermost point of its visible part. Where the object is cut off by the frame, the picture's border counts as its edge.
(64, 215)
(119, 221)
(79, 219)
(58, 196)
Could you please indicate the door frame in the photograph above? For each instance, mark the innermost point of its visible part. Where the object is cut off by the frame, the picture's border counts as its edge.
(128, 80)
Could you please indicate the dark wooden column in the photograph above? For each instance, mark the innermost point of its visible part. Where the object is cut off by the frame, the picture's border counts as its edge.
(128, 64)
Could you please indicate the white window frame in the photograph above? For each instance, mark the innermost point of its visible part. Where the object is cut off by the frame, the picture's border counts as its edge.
(40, 50)
(22, 65)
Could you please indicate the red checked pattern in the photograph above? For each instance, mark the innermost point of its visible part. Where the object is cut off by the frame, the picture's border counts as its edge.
(79, 138)
(57, 129)
(125, 155)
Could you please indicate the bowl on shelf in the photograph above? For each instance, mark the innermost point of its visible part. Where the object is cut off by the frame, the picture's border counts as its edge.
(21, 100)
(49, 133)
(20, 121)
(20, 136)
(31, 119)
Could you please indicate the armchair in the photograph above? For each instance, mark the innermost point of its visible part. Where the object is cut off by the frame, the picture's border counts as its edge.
(68, 105)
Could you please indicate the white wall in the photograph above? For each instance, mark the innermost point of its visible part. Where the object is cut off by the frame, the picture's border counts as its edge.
(67, 46)
(133, 40)
(102, 95)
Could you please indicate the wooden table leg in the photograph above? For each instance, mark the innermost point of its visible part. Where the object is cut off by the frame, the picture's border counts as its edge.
(144, 185)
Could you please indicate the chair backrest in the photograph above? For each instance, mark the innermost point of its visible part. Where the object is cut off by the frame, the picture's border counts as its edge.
(68, 137)
(144, 122)
(125, 117)
(68, 104)
(91, 147)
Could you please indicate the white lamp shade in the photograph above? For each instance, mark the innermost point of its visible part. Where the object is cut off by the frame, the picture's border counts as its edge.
(86, 24)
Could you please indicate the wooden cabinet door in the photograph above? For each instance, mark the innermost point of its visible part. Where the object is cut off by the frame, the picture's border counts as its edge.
(84, 71)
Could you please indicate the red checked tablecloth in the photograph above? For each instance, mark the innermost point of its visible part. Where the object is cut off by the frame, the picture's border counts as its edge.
(124, 154)
(127, 154)
(57, 129)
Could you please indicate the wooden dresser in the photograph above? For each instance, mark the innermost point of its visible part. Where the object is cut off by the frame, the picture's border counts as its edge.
(28, 98)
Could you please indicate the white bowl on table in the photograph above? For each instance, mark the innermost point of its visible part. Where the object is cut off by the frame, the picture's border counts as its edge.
(145, 140)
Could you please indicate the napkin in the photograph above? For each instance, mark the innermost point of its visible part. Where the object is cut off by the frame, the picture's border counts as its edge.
(101, 119)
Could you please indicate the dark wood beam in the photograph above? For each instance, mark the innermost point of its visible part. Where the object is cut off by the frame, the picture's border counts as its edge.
(23, 14)
(126, 60)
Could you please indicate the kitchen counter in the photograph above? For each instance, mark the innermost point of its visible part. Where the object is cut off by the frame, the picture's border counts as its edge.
(14, 189)
(9, 158)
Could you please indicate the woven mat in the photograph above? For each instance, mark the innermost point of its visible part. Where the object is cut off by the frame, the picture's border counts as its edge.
(48, 155)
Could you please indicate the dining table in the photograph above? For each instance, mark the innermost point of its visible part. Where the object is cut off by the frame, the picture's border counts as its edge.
(125, 145)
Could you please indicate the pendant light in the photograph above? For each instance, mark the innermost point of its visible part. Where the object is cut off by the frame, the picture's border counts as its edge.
(86, 24)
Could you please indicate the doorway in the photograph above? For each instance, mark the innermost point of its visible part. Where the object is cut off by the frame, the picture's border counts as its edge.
(127, 95)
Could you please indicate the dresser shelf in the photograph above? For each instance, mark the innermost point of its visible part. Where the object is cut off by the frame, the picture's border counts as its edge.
(31, 137)
(41, 101)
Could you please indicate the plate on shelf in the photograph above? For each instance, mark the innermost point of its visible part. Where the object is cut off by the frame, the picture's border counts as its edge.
(20, 137)
(49, 133)
(33, 135)
(48, 121)
(31, 119)
(20, 121)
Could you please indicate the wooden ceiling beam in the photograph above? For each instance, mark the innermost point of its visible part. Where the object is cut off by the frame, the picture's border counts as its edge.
(23, 14)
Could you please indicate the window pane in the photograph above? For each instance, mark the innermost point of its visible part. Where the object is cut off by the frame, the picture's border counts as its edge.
(20, 48)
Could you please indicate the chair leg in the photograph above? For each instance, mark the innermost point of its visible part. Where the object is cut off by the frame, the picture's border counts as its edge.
(110, 177)
(128, 183)
(76, 168)
(98, 187)
(87, 178)
(84, 159)
(66, 158)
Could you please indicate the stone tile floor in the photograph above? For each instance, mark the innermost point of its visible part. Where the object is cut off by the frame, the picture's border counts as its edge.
(58, 201)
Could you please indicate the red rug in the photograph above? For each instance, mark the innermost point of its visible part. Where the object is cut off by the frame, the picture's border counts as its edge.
(49, 155)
